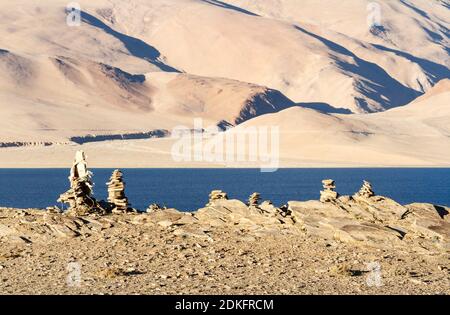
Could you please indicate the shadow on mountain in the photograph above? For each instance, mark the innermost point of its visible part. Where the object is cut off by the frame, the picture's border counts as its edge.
(373, 81)
(325, 108)
(435, 70)
(415, 9)
(271, 101)
(229, 7)
(136, 47)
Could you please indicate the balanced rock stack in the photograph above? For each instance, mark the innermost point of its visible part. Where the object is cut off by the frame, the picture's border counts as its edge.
(217, 195)
(116, 192)
(366, 190)
(253, 200)
(155, 208)
(328, 194)
(79, 196)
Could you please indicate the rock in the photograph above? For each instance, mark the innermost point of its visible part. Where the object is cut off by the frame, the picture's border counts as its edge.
(165, 223)
(116, 193)
(268, 207)
(63, 231)
(328, 194)
(53, 209)
(188, 218)
(332, 221)
(15, 239)
(172, 215)
(221, 211)
(430, 221)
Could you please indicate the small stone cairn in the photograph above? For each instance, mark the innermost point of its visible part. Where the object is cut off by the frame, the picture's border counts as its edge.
(217, 195)
(116, 192)
(328, 194)
(253, 200)
(155, 208)
(366, 190)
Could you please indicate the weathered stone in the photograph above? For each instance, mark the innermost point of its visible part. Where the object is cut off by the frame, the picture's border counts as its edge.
(165, 223)
(430, 221)
(188, 218)
(63, 231)
(268, 207)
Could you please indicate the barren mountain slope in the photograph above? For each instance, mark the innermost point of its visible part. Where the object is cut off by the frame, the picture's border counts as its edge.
(137, 69)
(416, 134)
(50, 99)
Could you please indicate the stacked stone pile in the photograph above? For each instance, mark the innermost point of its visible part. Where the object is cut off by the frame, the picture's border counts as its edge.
(254, 199)
(217, 195)
(328, 194)
(116, 192)
(366, 190)
(79, 196)
(155, 208)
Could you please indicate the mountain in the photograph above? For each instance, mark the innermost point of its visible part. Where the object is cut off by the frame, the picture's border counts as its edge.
(417, 134)
(341, 90)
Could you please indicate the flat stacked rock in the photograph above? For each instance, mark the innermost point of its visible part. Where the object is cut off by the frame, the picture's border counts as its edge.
(116, 192)
(328, 194)
(366, 190)
(217, 195)
(254, 199)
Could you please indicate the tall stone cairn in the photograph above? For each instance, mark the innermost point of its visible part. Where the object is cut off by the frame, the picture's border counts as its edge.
(253, 200)
(116, 192)
(366, 190)
(217, 195)
(79, 196)
(328, 194)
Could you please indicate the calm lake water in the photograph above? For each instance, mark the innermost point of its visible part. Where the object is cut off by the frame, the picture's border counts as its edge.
(188, 189)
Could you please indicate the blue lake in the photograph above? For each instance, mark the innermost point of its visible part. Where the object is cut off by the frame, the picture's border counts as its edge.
(188, 189)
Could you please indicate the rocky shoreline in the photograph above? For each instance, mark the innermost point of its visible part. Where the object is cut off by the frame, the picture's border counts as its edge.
(359, 244)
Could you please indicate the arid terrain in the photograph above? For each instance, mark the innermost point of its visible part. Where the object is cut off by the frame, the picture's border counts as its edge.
(363, 244)
(360, 83)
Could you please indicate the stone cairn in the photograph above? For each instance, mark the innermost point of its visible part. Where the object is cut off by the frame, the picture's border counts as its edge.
(328, 194)
(366, 190)
(217, 195)
(116, 192)
(155, 208)
(253, 200)
(79, 196)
